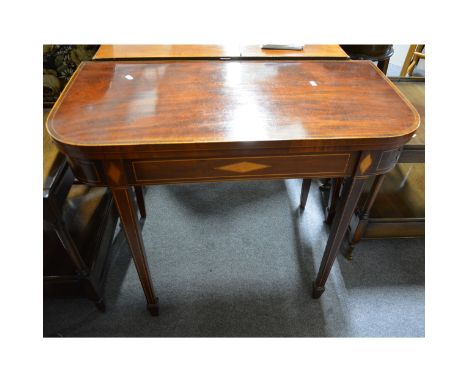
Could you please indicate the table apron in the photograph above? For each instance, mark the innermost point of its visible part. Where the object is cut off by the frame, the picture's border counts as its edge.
(141, 171)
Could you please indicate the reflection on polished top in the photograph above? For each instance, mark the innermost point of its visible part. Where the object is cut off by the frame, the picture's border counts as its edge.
(133, 103)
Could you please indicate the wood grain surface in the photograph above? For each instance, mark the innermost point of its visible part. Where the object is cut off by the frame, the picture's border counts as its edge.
(113, 52)
(215, 102)
(116, 52)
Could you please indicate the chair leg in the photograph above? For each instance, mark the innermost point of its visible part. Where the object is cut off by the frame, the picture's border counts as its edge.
(356, 236)
(417, 55)
(52, 212)
(325, 184)
(409, 56)
(93, 293)
(305, 191)
(54, 218)
(140, 201)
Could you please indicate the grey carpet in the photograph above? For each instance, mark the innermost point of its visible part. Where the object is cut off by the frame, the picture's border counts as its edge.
(238, 259)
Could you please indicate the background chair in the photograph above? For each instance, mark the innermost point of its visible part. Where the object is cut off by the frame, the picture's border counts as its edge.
(415, 53)
(78, 228)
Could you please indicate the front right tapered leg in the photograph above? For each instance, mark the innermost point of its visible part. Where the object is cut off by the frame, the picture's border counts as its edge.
(346, 206)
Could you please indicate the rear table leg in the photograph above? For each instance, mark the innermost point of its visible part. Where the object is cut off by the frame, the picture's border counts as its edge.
(305, 191)
(140, 197)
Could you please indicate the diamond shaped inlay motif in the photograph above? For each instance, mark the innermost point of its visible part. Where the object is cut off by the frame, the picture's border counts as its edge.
(242, 167)
(113, 172)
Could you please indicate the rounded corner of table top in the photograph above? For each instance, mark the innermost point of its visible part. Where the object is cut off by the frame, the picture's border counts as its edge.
(49, 124)
(416, 117)
(55, 137)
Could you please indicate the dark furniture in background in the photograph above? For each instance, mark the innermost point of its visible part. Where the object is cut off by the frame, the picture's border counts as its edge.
(78, 221)
(379, 53)
(78, 227)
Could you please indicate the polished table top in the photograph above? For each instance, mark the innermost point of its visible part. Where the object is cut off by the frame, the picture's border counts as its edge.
(161, 103)
(112, 52)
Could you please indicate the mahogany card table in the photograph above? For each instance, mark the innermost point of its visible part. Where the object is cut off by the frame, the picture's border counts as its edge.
(127, 124)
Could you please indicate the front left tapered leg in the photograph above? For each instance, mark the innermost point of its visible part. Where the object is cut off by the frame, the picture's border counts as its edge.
(125, 201)
(346, 205)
